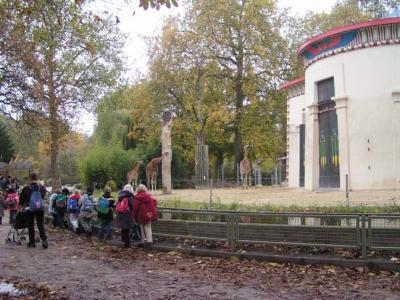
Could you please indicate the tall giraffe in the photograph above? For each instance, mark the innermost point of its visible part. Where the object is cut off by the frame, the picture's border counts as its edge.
(245, 169)
(151, 173)
(133, 175)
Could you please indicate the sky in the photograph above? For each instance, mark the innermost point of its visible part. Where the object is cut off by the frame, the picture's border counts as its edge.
(138, 24)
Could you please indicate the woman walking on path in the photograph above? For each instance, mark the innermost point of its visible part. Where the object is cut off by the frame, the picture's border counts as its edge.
(144, 212)
(124, 209)
(32, 197)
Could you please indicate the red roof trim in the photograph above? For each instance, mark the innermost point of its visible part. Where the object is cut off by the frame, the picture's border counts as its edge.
(345, 29)
(292, 83)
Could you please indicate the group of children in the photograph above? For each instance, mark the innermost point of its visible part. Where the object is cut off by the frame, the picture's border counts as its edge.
(131, 210)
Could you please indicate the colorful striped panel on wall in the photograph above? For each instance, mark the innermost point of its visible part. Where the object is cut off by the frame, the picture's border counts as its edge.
(352, 40)
(329, 43)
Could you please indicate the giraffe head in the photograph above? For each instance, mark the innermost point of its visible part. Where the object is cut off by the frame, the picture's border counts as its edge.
(246, 150)
(157, 160)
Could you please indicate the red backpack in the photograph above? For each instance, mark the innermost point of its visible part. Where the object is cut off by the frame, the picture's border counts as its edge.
(122, 206)
(12, 202)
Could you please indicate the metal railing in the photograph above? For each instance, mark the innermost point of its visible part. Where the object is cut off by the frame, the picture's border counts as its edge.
(364, 232)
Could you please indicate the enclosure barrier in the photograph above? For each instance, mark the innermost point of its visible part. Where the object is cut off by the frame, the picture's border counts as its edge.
(363, 232)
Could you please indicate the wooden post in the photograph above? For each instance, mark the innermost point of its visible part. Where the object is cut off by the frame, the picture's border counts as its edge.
(166, 152)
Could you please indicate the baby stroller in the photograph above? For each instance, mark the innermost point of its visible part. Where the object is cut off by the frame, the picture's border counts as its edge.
(18, 231)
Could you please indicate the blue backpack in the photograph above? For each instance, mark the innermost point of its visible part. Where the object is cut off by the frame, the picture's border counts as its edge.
(73, 206)
(88, 203)
(36, 202)
(103, 206)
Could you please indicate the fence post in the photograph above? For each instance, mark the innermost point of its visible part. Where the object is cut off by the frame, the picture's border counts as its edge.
(238, 174)
(347, 191)
(363, 237)
(232, 231)
(211, 194)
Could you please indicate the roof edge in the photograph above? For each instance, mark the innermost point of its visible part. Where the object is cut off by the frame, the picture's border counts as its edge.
(292, 83)
(346, 28)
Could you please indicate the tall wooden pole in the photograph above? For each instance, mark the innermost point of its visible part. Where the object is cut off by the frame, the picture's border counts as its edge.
(166, 152)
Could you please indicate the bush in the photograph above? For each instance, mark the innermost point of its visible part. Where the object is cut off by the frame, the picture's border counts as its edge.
(106, 163)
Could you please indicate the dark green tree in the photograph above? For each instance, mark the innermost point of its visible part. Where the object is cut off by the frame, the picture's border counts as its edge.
(6, 145)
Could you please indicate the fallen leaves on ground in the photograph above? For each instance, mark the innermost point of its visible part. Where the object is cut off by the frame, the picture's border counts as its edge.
(32, 290)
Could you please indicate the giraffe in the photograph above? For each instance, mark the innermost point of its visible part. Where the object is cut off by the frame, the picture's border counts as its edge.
(245, 169)
(151, 173)
(133, 175)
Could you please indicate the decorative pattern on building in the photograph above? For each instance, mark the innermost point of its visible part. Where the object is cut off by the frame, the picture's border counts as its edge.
(351, 40)
(296, 90)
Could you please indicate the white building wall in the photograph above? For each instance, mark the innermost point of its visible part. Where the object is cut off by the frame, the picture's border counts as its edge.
(295, 112)
(366, 81)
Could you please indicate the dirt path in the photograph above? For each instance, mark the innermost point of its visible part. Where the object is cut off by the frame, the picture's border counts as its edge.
(92, 270)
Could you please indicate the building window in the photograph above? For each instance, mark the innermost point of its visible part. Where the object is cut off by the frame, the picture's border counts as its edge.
(326, 90)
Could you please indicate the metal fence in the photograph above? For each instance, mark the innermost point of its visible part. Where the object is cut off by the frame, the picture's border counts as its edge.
(364, 232)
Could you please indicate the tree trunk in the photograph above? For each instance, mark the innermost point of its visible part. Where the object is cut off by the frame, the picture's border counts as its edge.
(238, 146)
(201, 163)
(166, 152)
(54, 149)
(54, 139)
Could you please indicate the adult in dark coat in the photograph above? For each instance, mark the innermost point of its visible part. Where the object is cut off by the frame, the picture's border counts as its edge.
(34, 213)
(124, 219)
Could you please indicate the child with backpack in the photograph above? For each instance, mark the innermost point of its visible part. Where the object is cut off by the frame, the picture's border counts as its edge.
(73, 210)
(123, 209)
(105, 214)
(2, 206)
(61, 207)
(12, 204)
(86, 204)
(52, 207)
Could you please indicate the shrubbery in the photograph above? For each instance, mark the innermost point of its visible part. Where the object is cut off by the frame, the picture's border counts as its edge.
(110, 163)
(106, 163)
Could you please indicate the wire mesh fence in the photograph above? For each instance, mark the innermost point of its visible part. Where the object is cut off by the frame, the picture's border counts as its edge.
(299, 229)
(363, 232)
(383, 232)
